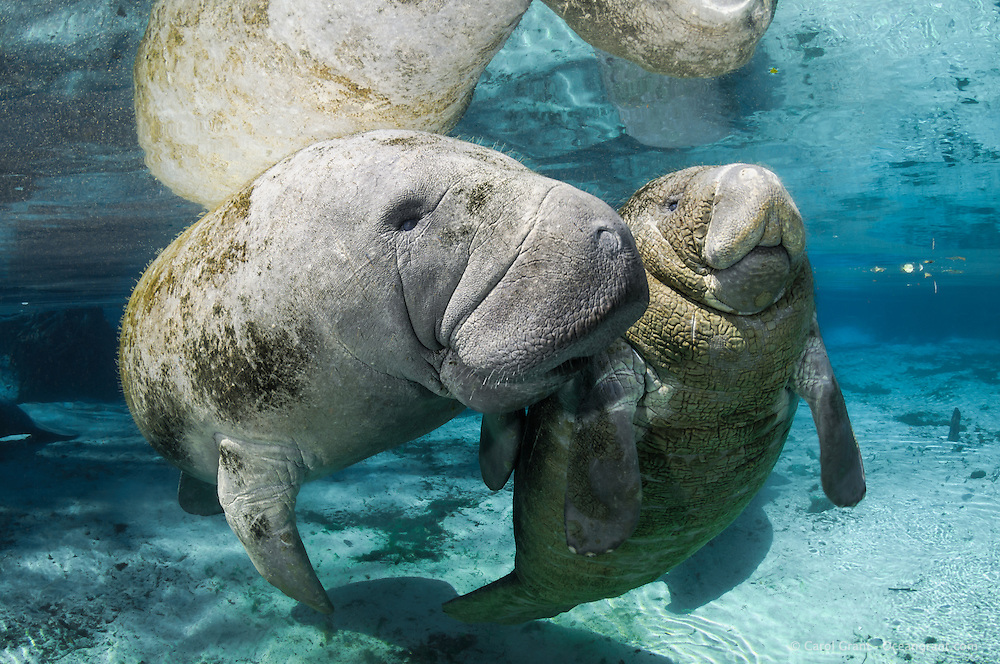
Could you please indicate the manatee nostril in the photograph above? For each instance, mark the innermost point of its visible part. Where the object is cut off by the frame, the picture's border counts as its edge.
(750, 173)
(609, 240)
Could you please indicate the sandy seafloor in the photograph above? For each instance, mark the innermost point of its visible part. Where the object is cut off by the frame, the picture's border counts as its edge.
(99, 564)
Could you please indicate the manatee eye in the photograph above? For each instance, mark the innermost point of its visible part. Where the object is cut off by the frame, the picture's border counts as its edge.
(406, 214)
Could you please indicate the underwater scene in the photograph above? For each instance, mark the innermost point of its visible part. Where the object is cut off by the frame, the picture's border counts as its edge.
(866, 134)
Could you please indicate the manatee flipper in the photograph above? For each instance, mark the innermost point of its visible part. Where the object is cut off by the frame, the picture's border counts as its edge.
(603, 487)
(506, 601)
(841, 468)
(258, 485)
(956, 426)
(499, 441)
(198, 497)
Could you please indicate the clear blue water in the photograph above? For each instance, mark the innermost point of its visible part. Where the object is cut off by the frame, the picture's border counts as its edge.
(881, 118)
(882, 122)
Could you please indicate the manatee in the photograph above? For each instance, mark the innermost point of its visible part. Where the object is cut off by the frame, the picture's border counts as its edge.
(664, 438)
(226, 88)
(15, 424)
(355, 296)
(679, 38)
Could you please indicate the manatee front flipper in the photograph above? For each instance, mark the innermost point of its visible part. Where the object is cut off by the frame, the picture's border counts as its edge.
(258, 485)
(603, 490)
(198, 497)
(499, 442)
(841, 467)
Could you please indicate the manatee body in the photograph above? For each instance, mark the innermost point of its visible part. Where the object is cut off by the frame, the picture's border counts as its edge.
(226, 88)
(661, 443)
(355, 296)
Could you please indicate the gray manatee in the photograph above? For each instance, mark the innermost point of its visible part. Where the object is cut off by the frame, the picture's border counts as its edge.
(663, 440)
(226, 88)
(357, 295)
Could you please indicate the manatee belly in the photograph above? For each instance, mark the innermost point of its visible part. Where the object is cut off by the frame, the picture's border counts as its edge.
(693, 485)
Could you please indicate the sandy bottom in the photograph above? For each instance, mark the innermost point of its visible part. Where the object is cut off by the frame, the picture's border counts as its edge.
(99, 564)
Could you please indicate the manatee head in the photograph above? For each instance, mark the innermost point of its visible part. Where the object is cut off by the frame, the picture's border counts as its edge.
(554, 284)
(452, 265)
(727, 236)
(679, 38)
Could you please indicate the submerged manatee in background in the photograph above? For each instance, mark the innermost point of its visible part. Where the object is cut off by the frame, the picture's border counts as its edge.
(357, 295)
(697, 400)
(226, 88)
(682, 38)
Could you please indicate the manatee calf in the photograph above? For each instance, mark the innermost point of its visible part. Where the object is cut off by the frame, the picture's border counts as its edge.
(357, 295)
(665, 438)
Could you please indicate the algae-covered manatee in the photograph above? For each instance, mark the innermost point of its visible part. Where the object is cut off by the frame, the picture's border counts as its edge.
(659, 445)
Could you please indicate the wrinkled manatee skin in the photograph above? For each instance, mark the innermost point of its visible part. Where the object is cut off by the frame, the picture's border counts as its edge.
(702, 460)
(727, 345)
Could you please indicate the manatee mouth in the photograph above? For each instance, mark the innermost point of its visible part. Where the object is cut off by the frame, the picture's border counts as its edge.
(496, 393)
(753, 283)
(574, 284)
(571, 367)
(516, 385)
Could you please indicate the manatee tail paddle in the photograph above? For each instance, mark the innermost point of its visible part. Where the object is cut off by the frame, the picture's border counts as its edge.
(506, 601)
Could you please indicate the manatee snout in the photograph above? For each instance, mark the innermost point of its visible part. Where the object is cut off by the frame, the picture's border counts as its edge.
(576, 284)
(750, 208)
(755, 282)
(601, 284)
(754, 239)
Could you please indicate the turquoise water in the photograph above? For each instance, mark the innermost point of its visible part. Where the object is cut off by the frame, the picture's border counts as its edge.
(883, 121)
